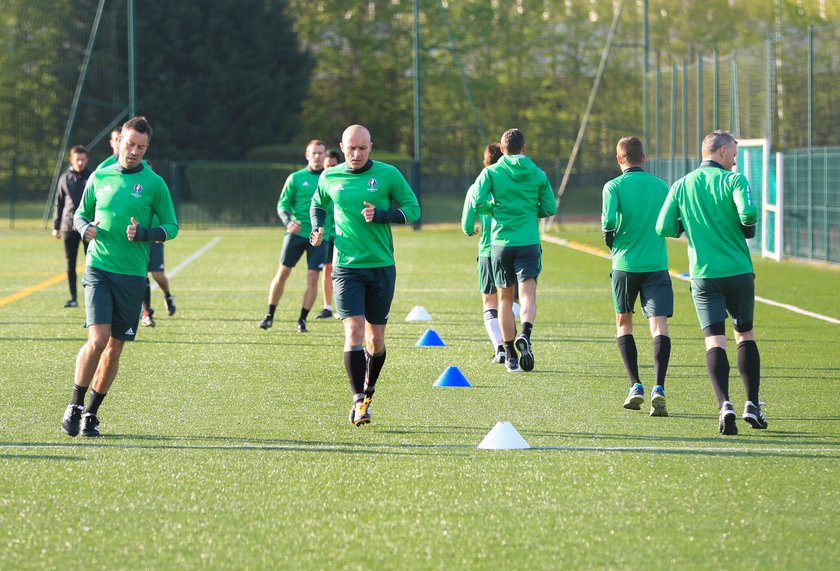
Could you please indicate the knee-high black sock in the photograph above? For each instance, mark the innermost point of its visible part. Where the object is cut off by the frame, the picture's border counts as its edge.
(374, 367)
(95, 400)
(356, 367)
(749, 366)
(630, 357)
(78, 396)
(661, 358)
(717, 364)
(147, 297)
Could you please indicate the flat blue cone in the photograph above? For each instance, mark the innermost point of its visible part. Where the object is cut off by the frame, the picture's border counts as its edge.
(430, 339)
(452, 377)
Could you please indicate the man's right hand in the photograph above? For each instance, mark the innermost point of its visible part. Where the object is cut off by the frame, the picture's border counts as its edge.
(90, 232)
(56, 234)
(317, 236)
(293, 227)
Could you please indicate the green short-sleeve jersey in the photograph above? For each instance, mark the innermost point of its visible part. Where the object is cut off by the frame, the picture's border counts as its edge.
(296, 197)
(631, 204)
(712, 204)
(516, 194)
(468, 218)
(112, 197)
(361, 244)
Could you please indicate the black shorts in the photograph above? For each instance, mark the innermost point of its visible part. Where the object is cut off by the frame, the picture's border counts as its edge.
(293, 248)
(486, 285)
(657, 294)
(114, 299)
(715, 297)
(364, 291)
(512, 264)
(156, 256)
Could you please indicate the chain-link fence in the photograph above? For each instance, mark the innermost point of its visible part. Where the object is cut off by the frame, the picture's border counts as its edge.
(783, 91)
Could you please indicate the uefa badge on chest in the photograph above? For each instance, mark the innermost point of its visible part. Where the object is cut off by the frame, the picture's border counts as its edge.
(138, 191)
(372, 185)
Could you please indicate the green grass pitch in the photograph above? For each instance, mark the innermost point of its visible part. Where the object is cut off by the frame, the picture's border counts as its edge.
(225, 446)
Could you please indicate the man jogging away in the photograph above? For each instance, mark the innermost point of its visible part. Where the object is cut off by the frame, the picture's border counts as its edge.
(517, 194)
(631, 204)
(715, 207)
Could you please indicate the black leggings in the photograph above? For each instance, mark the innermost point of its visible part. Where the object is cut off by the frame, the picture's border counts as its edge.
(71, 251)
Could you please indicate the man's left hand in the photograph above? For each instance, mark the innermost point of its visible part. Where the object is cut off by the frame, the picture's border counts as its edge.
(369, 212)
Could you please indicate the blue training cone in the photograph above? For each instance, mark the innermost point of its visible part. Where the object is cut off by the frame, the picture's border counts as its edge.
(430, 339)
(452, 377)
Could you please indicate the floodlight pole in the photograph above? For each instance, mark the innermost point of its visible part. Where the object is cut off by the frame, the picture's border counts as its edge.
(132, 90)
(415, 165)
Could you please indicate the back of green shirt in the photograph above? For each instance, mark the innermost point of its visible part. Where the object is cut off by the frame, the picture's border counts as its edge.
(516, 194)
(113, 197)
(361, 244)
(631, 204)
(296, 197)
(712, 204)
(468, 218)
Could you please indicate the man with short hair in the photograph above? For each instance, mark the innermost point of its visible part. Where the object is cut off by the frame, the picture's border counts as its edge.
(68, 196)
(331, 159)
(517, 194)
(156, 264)
(293, 210)
(364, 275)
(715, 207)
(115, 217)
(631, 204)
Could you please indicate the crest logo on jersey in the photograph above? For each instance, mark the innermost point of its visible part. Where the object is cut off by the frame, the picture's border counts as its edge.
(305, 183)
(339, 186)
(138, 191)
(372, 185)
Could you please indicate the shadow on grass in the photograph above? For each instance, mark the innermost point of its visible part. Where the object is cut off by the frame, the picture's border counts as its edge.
(39, 457)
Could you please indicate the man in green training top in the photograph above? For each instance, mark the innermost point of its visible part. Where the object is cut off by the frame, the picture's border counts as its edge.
(115, 217)
(364, 273)
(517, 194)
(715, 207)
(631, 203)
(293, 209)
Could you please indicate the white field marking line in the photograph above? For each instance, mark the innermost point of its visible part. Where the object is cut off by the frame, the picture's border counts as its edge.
(190, 259)
(599, 252)
(303, 446)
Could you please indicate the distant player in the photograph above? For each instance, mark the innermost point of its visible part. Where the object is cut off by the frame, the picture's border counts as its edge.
(293, 209)
(331, 158)
(115, 218)
(68, 196)
(631, 204)
(517, 194)
(715, 207)
(364, 277)
(492, 153)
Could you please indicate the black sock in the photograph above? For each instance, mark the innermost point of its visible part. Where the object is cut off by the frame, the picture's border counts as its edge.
(526, 329)
(356, 367)
(749, 365)
(271, 310)
(95, 400)
(304, 313)
(78, 396)
(661, 358)
(630, 357)
(374, 367)
(147, 297)
(510, 350)
(166, 294)
(717, 364)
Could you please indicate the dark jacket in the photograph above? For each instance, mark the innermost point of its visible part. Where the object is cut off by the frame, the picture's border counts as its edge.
(68, 197)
